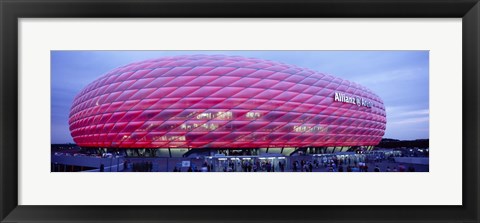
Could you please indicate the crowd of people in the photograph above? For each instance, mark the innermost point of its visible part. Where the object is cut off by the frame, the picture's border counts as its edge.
(139, 166)
(253, 166)
(351, 163)
(354, 164)
(324, 163)
(304, 166)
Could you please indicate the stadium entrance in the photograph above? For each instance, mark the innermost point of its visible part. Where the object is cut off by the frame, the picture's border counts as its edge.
(261, 163)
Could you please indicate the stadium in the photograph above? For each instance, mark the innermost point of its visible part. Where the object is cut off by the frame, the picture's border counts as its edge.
(224, 102)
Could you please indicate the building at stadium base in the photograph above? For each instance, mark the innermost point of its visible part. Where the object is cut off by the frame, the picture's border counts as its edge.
(216, 104)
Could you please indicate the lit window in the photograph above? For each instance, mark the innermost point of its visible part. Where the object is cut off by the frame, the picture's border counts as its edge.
(302, 128)
(253, 115)
(224, 115)
(204, 116)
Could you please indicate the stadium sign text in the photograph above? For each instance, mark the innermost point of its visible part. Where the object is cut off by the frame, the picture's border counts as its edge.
(341, 97)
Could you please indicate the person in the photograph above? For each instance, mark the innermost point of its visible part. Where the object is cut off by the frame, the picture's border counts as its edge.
(190, 169)
(268, 166)
(141, 167)
(340, 168)
(175, 169)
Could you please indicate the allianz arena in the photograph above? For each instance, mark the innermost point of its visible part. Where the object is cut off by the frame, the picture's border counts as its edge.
(217, 101)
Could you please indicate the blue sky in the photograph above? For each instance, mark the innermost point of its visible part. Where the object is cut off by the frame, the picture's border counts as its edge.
(400, 78)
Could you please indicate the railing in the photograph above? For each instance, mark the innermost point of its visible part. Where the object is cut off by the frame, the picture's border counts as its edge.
(90, 161)
(412, 160)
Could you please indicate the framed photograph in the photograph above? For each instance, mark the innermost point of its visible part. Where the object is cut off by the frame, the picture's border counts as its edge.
(209, 111)
(239, 111)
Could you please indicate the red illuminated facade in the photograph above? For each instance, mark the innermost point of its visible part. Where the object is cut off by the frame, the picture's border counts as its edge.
(214, 101)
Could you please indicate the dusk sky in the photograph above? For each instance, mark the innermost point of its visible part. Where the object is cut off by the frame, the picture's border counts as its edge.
(400, 78)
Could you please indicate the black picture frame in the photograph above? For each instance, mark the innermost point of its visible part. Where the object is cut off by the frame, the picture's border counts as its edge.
(11, 11)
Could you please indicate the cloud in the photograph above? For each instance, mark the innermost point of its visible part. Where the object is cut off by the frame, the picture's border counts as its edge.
(410, 121)
(390, 76)
(407, 113)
